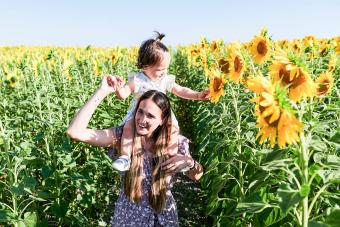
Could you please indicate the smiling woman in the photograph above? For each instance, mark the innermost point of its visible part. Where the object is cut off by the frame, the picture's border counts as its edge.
(145, 198)
(149, 116)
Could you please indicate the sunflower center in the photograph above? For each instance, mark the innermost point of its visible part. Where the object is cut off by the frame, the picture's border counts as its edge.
(217, 84)
(324, 51)
(213, 46)
(267, 119)
(224, 65)
(194, 52)
(113, 58)
(297, 81)
(237, 64)
(262, 48)
(296, 47)
(323, 87)
(284, 75)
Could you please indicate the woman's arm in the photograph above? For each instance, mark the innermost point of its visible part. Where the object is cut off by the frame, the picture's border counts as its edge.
(78, 130)
(195, 171)
(188, 93)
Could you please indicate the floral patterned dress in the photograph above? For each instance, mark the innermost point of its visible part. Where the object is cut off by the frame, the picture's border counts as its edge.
(129, 213)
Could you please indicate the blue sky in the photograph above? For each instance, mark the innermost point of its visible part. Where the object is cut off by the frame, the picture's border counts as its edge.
(129, 22)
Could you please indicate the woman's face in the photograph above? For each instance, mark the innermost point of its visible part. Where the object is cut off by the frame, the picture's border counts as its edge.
(159, 70)
(148, 117)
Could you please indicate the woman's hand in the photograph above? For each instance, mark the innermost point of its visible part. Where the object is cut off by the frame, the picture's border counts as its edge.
(177, 163)
(203, 95)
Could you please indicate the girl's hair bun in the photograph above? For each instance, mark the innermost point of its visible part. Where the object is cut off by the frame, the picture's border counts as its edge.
(159, 36)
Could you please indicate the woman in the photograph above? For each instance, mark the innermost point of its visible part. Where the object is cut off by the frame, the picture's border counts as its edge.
(145, 198)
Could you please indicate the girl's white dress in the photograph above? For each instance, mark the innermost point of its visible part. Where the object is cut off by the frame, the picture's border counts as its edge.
(142, 84)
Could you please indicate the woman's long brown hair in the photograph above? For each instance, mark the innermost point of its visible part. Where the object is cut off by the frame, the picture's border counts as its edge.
(160, 138)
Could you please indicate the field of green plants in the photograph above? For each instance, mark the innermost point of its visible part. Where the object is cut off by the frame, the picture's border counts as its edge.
(269, 140)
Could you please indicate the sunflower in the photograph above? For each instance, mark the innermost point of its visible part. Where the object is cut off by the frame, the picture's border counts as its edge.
(296, 46)
(11, 79)
(337, 50)
(309, 40)
(214, 46)
(283, 44)
(259, 85)
(324, 49)
(260, 49)
(236, 66)
(114, 59)
(216, 86)
(324, 83)
(332, 63)
(301, 86)
(299, 83)
(275, 120)
(289, 128)
(193, 53)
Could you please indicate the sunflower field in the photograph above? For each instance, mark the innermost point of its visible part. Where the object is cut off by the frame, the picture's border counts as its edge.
(269, 140)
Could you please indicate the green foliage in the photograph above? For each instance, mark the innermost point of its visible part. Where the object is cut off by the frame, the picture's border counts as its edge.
(45, 178)
(248, 184)
(48, 180)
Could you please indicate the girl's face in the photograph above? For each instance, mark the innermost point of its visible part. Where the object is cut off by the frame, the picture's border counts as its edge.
(159, 70)
(148, 117)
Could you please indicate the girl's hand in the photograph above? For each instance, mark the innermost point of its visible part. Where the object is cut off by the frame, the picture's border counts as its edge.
(176, 163)
(203, 95)
(111, 83)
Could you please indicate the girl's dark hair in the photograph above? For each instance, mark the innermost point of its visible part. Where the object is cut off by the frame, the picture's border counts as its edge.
(151, 51)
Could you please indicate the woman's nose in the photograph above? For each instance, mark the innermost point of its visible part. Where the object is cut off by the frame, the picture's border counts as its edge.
(142, 119)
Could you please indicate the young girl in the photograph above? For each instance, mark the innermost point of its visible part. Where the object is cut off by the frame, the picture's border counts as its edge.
(153, 60)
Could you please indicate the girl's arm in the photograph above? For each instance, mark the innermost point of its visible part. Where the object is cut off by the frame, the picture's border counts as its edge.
(78, 130)
(188, 93)
(124, 91)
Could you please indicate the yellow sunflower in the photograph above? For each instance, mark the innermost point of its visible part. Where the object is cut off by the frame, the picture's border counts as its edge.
(193, 53)
(216, 86)
(296, 46)
(260, 49)
(12, 79)
(259, 85)
(309, 40)
(324, 49)
(237, 65)
(214, 46)
(299, 83)
(301, 86)
(275, 121)
(114, 59)
(283, 44)
(332, 63)
(337, 49)
(324, 83)
(289, 128)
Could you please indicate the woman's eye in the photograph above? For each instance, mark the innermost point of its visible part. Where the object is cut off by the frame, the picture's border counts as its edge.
(150, 116)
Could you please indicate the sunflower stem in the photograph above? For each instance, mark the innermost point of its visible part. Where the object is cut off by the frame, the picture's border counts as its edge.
(238, 138)
(304, 161)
